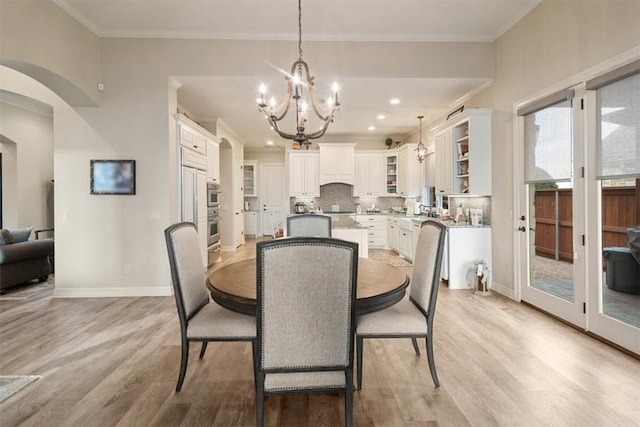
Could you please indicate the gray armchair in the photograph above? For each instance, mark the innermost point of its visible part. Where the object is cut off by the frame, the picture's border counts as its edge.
(310, 225)
(200, 320)
(412, 317)
(305, 316)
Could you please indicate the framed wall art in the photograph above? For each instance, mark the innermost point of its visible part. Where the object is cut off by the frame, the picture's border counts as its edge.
(113, 177)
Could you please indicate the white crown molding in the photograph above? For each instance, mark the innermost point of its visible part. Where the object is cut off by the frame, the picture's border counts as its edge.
(507, 26)
(68, 8)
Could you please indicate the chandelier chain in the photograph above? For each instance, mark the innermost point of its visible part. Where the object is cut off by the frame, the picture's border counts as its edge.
(299, 29)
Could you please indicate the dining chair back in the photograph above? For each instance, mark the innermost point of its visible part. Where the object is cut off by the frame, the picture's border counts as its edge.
(310, 225)
(411, 317)
(200, 320)
(306, 293)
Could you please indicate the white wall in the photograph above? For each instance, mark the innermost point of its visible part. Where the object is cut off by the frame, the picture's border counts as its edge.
(27, 166)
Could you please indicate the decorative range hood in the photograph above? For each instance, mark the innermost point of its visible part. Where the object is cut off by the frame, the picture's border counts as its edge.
(337, 163)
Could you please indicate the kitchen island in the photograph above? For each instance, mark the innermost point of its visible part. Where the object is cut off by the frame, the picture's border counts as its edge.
(346, 228)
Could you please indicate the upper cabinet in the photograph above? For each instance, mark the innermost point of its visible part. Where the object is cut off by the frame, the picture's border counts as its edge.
(463, 154)
(391, 173)
(337, 163)
(213, 160)
(370, 174)
(191, 135)
(444, 166)
(249, 178)
(303, 174)
(409, 176)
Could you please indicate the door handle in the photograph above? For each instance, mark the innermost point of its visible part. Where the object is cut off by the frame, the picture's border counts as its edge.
(522, 228)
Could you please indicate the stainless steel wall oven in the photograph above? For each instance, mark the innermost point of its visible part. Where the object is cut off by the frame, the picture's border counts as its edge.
(213, 195)
(213, 235)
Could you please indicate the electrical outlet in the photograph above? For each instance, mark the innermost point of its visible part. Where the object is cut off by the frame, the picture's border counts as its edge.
(127, 269)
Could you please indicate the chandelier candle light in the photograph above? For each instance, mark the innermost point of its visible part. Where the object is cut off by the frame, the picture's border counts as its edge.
(300, 92)
(421, 149)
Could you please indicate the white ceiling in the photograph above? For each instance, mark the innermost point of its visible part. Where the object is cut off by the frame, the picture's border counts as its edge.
(233, 98)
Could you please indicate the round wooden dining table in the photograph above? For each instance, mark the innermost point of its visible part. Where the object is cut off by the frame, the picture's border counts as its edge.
(380, 285)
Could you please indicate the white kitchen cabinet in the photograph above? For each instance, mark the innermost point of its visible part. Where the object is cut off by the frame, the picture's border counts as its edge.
(191, 135)
(250, 178)
(391, 165)
(213, 160)
(337, 163)
(377, 233)
(251, 223)
(409, 176)
(465, 246)
(303, 174)
(466, 160)
(405, 238)
(356, 235)
(392, 233)
(370, 176)
(444, 165)
(415, 233)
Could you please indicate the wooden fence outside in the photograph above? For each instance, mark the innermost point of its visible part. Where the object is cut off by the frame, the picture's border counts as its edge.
(620, 211)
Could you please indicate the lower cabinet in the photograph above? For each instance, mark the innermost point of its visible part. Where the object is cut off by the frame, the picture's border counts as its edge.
(464, 247)
(392, 233)
(377, 225)
(405, 238)
(251, 224)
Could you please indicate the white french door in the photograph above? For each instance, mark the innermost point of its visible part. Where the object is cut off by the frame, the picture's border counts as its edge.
(550, 213)
(578, 225)
(613, 117)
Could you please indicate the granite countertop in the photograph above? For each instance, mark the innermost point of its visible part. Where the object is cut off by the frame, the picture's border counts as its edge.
(448, 223)
(346, 222)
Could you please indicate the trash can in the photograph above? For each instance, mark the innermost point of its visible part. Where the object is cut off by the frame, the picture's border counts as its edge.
(623, 271)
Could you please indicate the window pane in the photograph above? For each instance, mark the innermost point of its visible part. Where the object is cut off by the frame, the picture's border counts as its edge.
(547, 134)
(619, 128)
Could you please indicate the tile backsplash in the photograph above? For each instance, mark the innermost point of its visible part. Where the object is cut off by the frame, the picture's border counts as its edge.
(341, 195)
(483, 203)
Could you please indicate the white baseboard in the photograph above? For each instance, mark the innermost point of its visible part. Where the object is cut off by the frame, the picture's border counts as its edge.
(139, 291)
(502, 289)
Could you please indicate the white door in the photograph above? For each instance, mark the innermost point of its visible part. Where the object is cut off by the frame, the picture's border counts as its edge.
(273, 197)
(613, 117)
(550, 216)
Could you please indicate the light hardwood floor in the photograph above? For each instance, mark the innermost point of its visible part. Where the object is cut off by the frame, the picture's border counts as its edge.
(114, 362)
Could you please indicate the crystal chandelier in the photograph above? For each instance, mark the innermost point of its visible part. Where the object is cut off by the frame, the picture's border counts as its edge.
(421, 149)
(301, 93)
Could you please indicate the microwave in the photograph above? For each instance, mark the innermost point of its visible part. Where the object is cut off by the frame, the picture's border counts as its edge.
(213, 195)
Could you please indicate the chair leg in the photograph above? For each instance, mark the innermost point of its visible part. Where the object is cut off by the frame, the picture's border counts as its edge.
(432, 363)
(184, 359)
(260, 401)
(348, 399)
(254, 349)
(414, 341)
(359, 344)
(203, 349)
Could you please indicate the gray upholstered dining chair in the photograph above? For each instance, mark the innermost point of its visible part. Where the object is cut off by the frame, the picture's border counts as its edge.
(200, 320)
(411, 317)
(306, 318)
(311, 225)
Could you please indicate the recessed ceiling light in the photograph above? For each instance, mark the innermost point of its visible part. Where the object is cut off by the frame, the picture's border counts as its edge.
(381, 117)
(371, 128)
(394, 101)
(269, 142)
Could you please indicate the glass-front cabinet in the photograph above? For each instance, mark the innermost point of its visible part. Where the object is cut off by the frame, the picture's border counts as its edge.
(249, 179)
(391, 184)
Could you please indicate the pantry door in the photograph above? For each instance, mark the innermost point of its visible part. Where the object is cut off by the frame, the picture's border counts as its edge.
(275, 204)
(551, 210)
